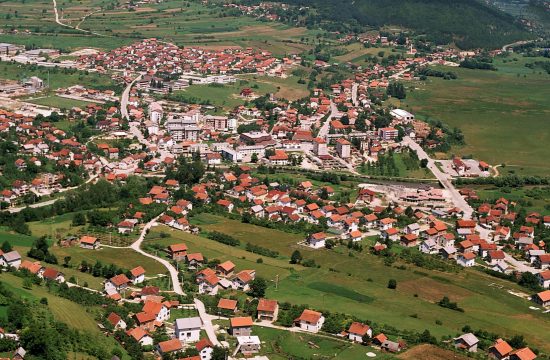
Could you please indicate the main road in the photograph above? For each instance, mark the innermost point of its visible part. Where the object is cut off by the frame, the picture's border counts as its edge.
(323, 132)
(443, 178)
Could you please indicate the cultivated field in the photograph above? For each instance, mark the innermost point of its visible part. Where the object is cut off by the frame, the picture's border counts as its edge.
(503, 114)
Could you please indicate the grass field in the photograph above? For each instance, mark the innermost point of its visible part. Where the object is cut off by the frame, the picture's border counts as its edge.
(172, 20)
(537, 197)
(58, 102)
(357, 53)
(357, 284)
(58, 78)
(503, 114)
(63, 310)
(280, 344)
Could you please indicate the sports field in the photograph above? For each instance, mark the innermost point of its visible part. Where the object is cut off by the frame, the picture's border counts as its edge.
(503, 114)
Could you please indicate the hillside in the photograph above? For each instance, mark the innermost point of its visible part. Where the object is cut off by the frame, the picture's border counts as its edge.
(469, 23)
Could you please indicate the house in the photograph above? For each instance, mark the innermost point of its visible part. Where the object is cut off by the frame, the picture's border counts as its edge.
(500, 350)
(467, 259)
(161, 311)
(138, 275)
(317, 240)
(243, 279)
(544, 279)
(194, 260)
(542, 298)
(116, 321)
(391, 346)
(227, 305)
(177, 251)
(495, 257)
(33, 267)
(188, 329)
(89, 242)
(428, 247)
(169, 346)
(357, 331)
(248, 345)
(409, 240)
(523, 354)
(51, 274)
(226, 204)
(205, 349)
(10, 259)
(208, 284)
(466, 342)
(268, 310)
(141, 336)
(240, 326)
(118, 283)
(225, 269)
(126, 226)
(310, 320)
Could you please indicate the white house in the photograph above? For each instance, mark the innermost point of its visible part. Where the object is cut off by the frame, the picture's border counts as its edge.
(544, 279)
(138, 275)
(317, 240)
(205, 349)
(140, 336)
(188, 329)
(468, 259)
(358, 330)
(310, 320)
(10, 259)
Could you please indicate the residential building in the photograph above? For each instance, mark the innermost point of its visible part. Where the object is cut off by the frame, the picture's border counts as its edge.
(188, 329)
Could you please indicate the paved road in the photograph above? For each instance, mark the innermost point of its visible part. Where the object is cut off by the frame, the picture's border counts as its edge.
(323, 132)
(354, 88)
(519, 265)
(443, 178)
(206, 319)
(124, 99)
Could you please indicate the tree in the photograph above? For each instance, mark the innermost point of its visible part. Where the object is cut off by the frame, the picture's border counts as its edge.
(219, 353)
(392, 284)
(517, 342)
(79, 219)
(6, 246)
(296, 257)
(424, 163)
(258, 287)
(66, 261)
(27, 283)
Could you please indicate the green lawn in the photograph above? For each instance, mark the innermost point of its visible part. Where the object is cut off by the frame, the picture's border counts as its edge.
(503, 114)
(125, 258)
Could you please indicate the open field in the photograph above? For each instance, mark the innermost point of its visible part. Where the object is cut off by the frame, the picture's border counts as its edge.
(62, 309)
(59, 102)
(430, 352)
(537, 198)
(125, 258)
(357, 53)
(280, 344)
(243, 259)
(357, 284)
(195, 24)
(58, 78)
(503, 114)
(287, 88)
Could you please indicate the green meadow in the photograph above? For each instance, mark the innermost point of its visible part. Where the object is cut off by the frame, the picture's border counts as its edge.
(503, 114)
(356, 283)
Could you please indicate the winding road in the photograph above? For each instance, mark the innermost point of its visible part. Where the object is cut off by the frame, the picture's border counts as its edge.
(176, 284)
